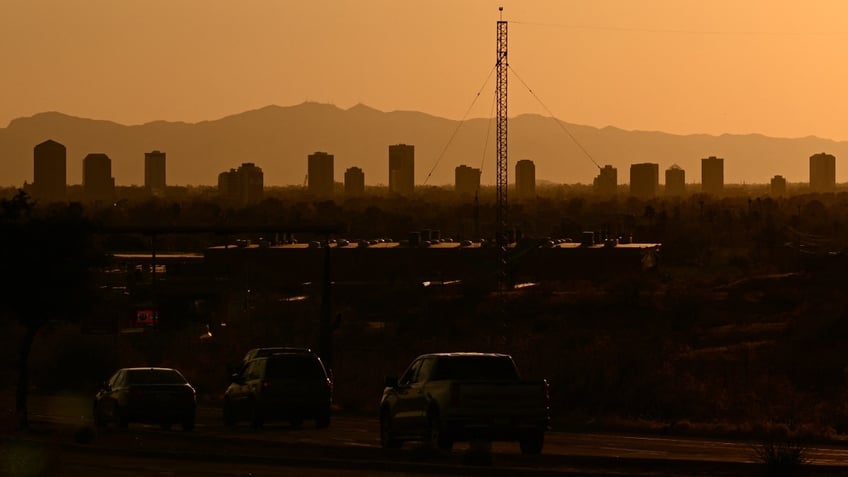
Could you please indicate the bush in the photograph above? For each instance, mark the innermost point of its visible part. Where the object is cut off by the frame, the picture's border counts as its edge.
(782, 458)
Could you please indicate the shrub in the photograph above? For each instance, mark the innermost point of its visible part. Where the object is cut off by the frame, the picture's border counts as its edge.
(782, 458)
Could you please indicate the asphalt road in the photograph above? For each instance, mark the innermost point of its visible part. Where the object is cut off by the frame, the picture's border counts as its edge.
(62, 438)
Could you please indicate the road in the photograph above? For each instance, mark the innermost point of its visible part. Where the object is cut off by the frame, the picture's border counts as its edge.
(350, 447)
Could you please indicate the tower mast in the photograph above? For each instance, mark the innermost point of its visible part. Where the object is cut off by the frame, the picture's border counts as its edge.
(501, 204)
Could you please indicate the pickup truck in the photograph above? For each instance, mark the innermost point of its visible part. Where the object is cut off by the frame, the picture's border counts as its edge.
(444, 398)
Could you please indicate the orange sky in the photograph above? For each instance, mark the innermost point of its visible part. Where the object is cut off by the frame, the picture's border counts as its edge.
(775, 67)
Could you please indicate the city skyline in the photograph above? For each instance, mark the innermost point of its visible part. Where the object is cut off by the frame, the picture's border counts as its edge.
(279, 137)
(691, 67)
(50, 165)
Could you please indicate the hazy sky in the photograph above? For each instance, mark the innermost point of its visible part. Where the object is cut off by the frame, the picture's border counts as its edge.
(776, 67)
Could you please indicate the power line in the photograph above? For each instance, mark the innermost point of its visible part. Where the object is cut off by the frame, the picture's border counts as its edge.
(461, 122)
(488, 133)
(560, 123)
(682, 32)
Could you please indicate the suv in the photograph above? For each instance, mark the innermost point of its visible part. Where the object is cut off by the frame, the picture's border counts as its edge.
(289, 386)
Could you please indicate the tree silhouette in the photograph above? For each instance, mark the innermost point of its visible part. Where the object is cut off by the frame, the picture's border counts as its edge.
(50, 255)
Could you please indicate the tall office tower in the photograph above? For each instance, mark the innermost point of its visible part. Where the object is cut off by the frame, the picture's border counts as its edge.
(644, 180)
(320, 174)
(778, 186)
(525, 180)
(251, 182)
(606, 183)
(822, 172)
(712, 175)
(402, 169)
(228, 186)
(50, 171)
(97, 181)
(675, 181)
(154, 172)
(242, 186)
(354, 182)
(466, 180)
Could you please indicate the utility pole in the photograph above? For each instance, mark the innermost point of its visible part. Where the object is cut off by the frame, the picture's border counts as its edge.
(325, 339)
(502, 204)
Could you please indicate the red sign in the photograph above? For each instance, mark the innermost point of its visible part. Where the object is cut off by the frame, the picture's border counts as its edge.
(146, 317)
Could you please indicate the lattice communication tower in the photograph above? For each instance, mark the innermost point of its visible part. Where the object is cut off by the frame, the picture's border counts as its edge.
(501, 202)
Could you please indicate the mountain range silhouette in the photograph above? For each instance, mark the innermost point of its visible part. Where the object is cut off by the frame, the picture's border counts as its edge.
(278, 139)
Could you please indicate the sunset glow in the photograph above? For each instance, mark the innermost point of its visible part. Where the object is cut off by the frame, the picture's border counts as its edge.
(683, 66)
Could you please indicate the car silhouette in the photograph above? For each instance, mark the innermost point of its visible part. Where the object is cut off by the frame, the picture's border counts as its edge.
(290, 386)
(146, 395)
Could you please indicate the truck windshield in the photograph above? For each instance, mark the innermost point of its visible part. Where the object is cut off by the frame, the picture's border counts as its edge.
(475, 367)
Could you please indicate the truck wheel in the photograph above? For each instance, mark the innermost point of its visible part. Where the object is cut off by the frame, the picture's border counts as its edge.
(531, 442)
(256, 418)
(99, 419)
(435, 437)
(188, 424)
(322, 420)
(387, 441)
(121, 417)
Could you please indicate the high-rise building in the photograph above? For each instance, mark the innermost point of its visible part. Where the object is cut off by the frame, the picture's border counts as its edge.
(822, 172)
(50, 171)
(97, 181)
(402, 169)
(320, 174)
(251, 183)
(675, 181)
(778, 186)
(525, 180)
(228, 186)
(242, 186)
(606, 183)
(466, 180)
(354, 182)
(154, 172)
(712, 175)
(644, 180)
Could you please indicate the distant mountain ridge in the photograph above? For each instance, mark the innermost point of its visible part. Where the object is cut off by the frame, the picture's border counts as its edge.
(278, 139)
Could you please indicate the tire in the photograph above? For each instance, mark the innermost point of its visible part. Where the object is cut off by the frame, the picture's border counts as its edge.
(435, 438)
(256, 418)
(531, 442)
(387, 441)
(188, 423)
(98, 417)
(121, 417)
(229, 414)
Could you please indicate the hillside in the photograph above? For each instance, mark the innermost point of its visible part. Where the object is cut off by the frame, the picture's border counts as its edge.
(278, 139)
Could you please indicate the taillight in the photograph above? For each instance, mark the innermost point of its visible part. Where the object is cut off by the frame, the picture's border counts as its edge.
(265, 384)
